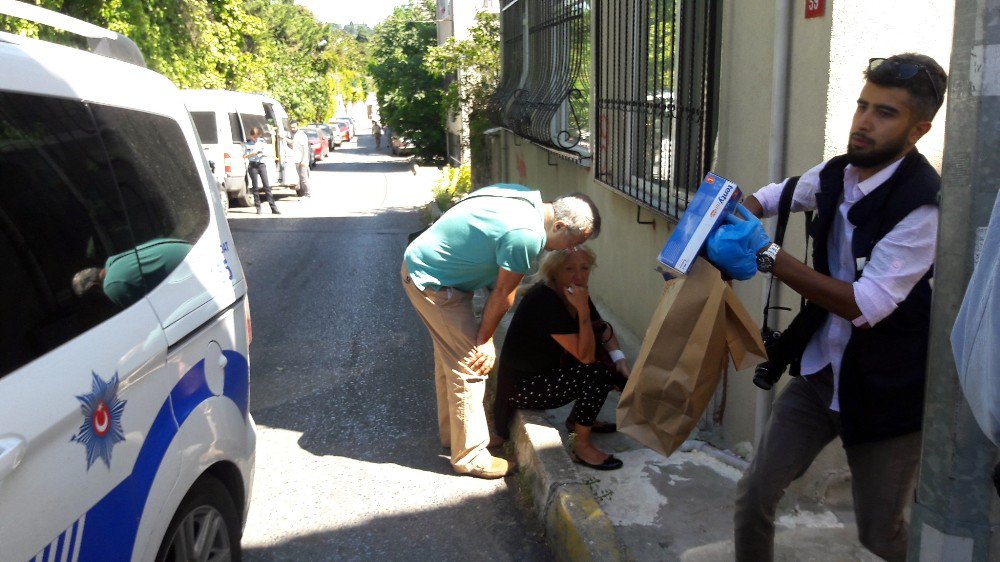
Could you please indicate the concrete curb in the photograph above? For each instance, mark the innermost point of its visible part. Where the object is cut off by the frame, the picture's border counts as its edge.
(576, 527)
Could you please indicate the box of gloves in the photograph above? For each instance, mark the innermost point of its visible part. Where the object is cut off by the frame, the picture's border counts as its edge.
(715, 198)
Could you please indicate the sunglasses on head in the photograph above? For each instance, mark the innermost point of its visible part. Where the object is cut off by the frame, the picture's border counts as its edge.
(902, 71)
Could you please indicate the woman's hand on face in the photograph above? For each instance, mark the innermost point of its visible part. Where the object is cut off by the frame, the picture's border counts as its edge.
(578, 297)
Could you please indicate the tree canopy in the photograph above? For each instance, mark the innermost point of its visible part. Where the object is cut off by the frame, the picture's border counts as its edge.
(410, 97)
(267, 46)
(475, 63)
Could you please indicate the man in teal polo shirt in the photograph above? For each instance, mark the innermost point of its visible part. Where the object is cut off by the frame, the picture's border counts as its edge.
(489, 239)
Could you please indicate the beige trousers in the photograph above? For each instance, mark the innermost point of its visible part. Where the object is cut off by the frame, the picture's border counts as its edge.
(453, 327)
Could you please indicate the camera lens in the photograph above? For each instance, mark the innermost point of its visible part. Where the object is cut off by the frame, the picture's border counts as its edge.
(763, 376)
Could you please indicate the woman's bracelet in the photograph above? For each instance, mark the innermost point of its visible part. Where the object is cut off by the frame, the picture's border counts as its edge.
(616, 355)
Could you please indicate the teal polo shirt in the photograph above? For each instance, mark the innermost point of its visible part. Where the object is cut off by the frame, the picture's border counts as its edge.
(497, 226)
(130, 274)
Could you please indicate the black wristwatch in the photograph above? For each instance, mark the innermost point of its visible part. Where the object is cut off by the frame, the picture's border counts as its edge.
(765, 258)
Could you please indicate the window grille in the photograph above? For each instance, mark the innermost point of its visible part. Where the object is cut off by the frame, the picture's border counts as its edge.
(551, 104)
(512, 64)
(655, 88)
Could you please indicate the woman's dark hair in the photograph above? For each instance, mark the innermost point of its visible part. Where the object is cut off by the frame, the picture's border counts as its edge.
(920, 75)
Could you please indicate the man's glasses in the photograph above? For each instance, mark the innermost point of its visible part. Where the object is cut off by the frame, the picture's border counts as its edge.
(902, 71)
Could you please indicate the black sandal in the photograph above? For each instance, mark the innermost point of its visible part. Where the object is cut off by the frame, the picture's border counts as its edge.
(610, 463)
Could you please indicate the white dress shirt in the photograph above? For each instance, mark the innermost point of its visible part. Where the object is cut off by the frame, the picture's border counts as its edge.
(898, 261)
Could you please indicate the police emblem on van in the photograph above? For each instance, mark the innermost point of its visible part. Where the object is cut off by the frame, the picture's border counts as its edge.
(102, 420)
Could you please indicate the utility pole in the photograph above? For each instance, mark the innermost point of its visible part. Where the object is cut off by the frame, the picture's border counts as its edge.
(956, 516)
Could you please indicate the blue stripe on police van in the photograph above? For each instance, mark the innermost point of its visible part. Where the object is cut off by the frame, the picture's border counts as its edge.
(59, 547)
(114, 520)
(62, 549)
(74, 540)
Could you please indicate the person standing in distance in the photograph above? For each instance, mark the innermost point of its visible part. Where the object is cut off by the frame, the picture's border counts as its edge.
(865, 361)
(488, 239)
(299, 143)
(253, 151)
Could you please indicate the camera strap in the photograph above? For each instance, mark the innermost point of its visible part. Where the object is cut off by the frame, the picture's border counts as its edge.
(784, 210)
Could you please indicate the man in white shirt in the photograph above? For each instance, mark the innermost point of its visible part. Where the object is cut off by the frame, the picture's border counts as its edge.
(864, 364)
(299, 144)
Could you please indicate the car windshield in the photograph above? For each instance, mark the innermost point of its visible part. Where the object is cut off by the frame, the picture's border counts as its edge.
(312, 134)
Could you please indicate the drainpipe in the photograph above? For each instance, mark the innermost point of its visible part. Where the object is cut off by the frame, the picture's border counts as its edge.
(776, 161)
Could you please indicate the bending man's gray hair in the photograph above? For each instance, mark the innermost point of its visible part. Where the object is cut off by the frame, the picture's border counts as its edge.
(578, 212)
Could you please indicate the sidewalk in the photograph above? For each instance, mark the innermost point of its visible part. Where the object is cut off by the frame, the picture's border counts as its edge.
(656, 508)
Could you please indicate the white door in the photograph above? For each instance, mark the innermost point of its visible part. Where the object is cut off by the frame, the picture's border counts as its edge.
(77, 337)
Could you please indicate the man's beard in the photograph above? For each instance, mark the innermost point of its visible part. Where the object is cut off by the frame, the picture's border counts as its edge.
(876, 156)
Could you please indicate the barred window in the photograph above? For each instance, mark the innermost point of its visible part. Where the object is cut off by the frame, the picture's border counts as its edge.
(512, 60)
(656, 90)
(544, 90)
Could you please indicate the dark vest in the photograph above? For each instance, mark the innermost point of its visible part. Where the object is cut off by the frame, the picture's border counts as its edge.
(884, 368)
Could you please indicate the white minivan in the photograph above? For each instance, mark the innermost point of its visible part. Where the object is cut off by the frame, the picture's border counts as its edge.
(223, 119)
(125, 431)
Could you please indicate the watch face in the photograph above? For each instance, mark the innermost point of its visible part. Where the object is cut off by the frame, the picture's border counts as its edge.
(764, 263)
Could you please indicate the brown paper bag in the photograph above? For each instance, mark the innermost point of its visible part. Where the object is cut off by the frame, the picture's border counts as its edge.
(698, 324)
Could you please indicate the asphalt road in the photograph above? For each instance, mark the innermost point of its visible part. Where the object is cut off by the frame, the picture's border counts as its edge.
(348, 462)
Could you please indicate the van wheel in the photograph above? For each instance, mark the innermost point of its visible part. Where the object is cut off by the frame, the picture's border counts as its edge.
(205, 527)
(244, 198)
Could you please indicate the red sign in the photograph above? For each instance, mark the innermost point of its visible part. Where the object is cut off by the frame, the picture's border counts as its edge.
(814, 8)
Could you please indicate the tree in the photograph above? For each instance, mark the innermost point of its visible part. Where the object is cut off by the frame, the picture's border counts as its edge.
(269, 46)
(410, 98)
(475, 62)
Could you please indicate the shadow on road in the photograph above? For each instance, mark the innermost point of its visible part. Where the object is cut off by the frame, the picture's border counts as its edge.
(426, 534)
(338, 353)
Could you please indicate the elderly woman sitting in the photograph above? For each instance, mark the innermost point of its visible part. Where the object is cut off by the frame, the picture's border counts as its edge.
(557, 350)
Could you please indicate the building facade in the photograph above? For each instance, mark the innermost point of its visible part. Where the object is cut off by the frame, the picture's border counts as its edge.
(633, 101)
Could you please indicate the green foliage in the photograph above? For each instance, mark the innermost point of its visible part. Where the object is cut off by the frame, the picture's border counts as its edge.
(410, 98)
(475, 62)
(453, 184)
(269, 46)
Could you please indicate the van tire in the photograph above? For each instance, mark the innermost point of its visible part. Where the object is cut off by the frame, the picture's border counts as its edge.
(244, 198)
(208, 503)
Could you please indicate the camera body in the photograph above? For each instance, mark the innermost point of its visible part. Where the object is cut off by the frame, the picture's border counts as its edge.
(784, 349)
(767, 373)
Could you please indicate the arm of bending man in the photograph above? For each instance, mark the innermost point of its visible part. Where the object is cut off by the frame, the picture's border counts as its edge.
(501, 298)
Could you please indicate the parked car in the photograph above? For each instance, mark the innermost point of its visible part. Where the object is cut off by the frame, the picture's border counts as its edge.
(316, 142)
(345, 129)
(125, 431)
(400, 145)
(223, 119)
(331, 133)
(350, 123)
(324, 142)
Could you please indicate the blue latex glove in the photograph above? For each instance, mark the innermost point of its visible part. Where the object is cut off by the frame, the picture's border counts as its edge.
(734, 245)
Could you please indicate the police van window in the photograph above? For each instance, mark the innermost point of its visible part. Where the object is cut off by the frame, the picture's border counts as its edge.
(162, 190)
(250, 120)
(61, 221)
(269, 113)
(234, 126)
(204, 122)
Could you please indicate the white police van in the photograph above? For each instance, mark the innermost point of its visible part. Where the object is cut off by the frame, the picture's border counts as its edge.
(223, 119)
(124, 375)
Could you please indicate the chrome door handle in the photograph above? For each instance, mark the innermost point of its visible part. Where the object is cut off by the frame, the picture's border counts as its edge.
(12, 449)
